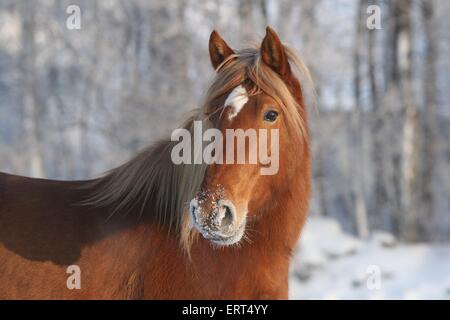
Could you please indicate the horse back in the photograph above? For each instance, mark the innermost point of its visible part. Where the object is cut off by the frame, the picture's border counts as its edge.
(41, 233)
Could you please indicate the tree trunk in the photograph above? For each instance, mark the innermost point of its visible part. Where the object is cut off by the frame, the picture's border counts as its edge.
(410, 146)
(428, 125)
(30, 91)
(358, 185)
(309, 35)
(380, 212)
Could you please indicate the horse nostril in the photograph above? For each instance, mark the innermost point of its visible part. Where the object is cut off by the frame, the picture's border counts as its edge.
(228, 217)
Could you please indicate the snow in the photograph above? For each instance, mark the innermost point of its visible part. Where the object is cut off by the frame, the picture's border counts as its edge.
(330, 264)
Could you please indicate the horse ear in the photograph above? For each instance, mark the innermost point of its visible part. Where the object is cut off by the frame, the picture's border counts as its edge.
(219, 50)
(273, 53)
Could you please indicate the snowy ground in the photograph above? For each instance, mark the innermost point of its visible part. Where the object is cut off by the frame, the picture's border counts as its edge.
(330, 264)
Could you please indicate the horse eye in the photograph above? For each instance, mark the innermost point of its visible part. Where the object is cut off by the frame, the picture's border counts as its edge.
(270, 116)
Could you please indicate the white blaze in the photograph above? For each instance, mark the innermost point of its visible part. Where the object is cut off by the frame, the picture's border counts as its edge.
(236, 100)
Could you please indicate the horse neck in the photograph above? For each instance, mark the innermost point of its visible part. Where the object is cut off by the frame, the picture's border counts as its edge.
(279, 228)
(282, 224)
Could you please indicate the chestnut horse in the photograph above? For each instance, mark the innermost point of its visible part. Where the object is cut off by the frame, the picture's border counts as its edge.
(131, 234)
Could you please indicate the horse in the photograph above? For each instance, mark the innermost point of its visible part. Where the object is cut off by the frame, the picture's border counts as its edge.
(153, 229)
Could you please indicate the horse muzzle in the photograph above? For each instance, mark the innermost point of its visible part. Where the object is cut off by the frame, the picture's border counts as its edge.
(217, 221)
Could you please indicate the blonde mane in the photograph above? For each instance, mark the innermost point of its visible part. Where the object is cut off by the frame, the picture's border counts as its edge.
(151, 185)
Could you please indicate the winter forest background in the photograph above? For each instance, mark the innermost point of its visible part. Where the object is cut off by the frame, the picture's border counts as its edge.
(74, 103)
